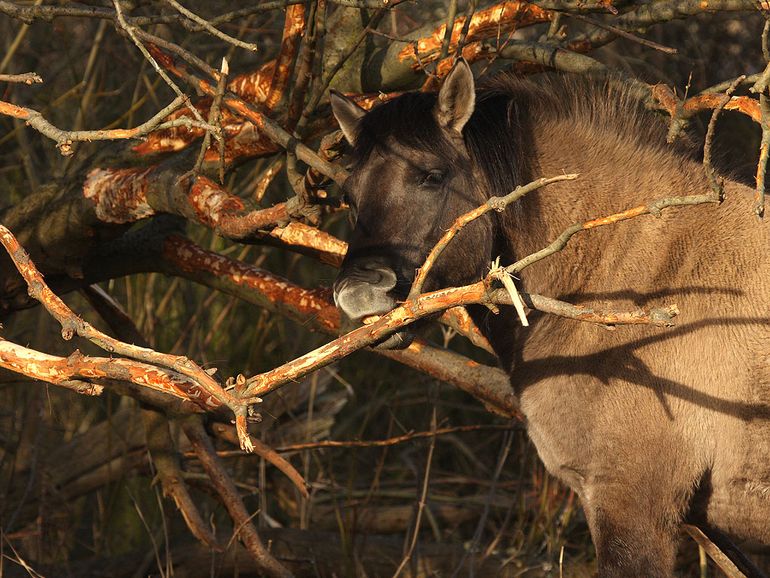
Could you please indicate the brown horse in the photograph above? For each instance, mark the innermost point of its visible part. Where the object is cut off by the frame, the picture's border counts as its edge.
(651, 427)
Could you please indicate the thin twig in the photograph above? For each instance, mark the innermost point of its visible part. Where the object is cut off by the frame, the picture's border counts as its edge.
(423, 498)
(624, 34)
(764, 107)
(320, 88)
(129, 29)
(466, 27)
(761, 84)
(214, 115)
(717, 185)
(185, 55)
(764, 149)
(263, 451)
(450, 25)
(210, 29)
(392, 441)
(655, 316)
(65, 138)
(266, 125)
(653, 208)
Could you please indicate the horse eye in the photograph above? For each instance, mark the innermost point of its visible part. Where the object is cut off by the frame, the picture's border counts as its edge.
(433, 179)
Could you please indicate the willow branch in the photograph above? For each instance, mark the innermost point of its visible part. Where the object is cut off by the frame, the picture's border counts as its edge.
(89, 375)
(44, 367)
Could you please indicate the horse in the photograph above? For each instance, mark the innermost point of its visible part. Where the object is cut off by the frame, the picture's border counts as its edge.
(651, 427)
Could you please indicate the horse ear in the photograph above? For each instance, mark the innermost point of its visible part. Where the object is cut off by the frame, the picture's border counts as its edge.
(347, 113)
(456, 98)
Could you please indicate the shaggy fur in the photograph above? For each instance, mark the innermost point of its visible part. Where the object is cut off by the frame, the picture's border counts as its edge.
(650, 426)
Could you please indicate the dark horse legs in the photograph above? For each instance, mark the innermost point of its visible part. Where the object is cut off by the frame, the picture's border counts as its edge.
(631, 545)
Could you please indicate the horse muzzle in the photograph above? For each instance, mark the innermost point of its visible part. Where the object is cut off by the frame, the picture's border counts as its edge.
(364, 290)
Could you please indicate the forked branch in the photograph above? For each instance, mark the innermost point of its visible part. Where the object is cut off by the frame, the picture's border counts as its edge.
(494, 203)
(212, 392)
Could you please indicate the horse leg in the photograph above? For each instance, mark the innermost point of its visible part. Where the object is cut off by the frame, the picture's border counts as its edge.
(634, 538)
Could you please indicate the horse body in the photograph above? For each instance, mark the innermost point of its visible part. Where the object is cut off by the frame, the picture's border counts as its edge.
(651, 427)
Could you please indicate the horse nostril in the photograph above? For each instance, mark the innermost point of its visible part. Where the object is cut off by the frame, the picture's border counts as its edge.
(386, 278)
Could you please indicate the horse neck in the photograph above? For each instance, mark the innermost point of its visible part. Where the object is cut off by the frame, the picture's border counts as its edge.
(616, 171)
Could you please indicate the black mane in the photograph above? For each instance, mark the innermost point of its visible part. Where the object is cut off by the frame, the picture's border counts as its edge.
(499, 134)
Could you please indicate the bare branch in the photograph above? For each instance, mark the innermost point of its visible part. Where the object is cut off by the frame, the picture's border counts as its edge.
(87, 375)
(65, 138)
(764, 150)
(214, 120)
(656, 316)
(25, 78)
(43, 367)
(716, 184)
(244, 528)
(212, 393)
(269, 127)
(129, 29)
(210, 29)
(494, 203)
(653, 208)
